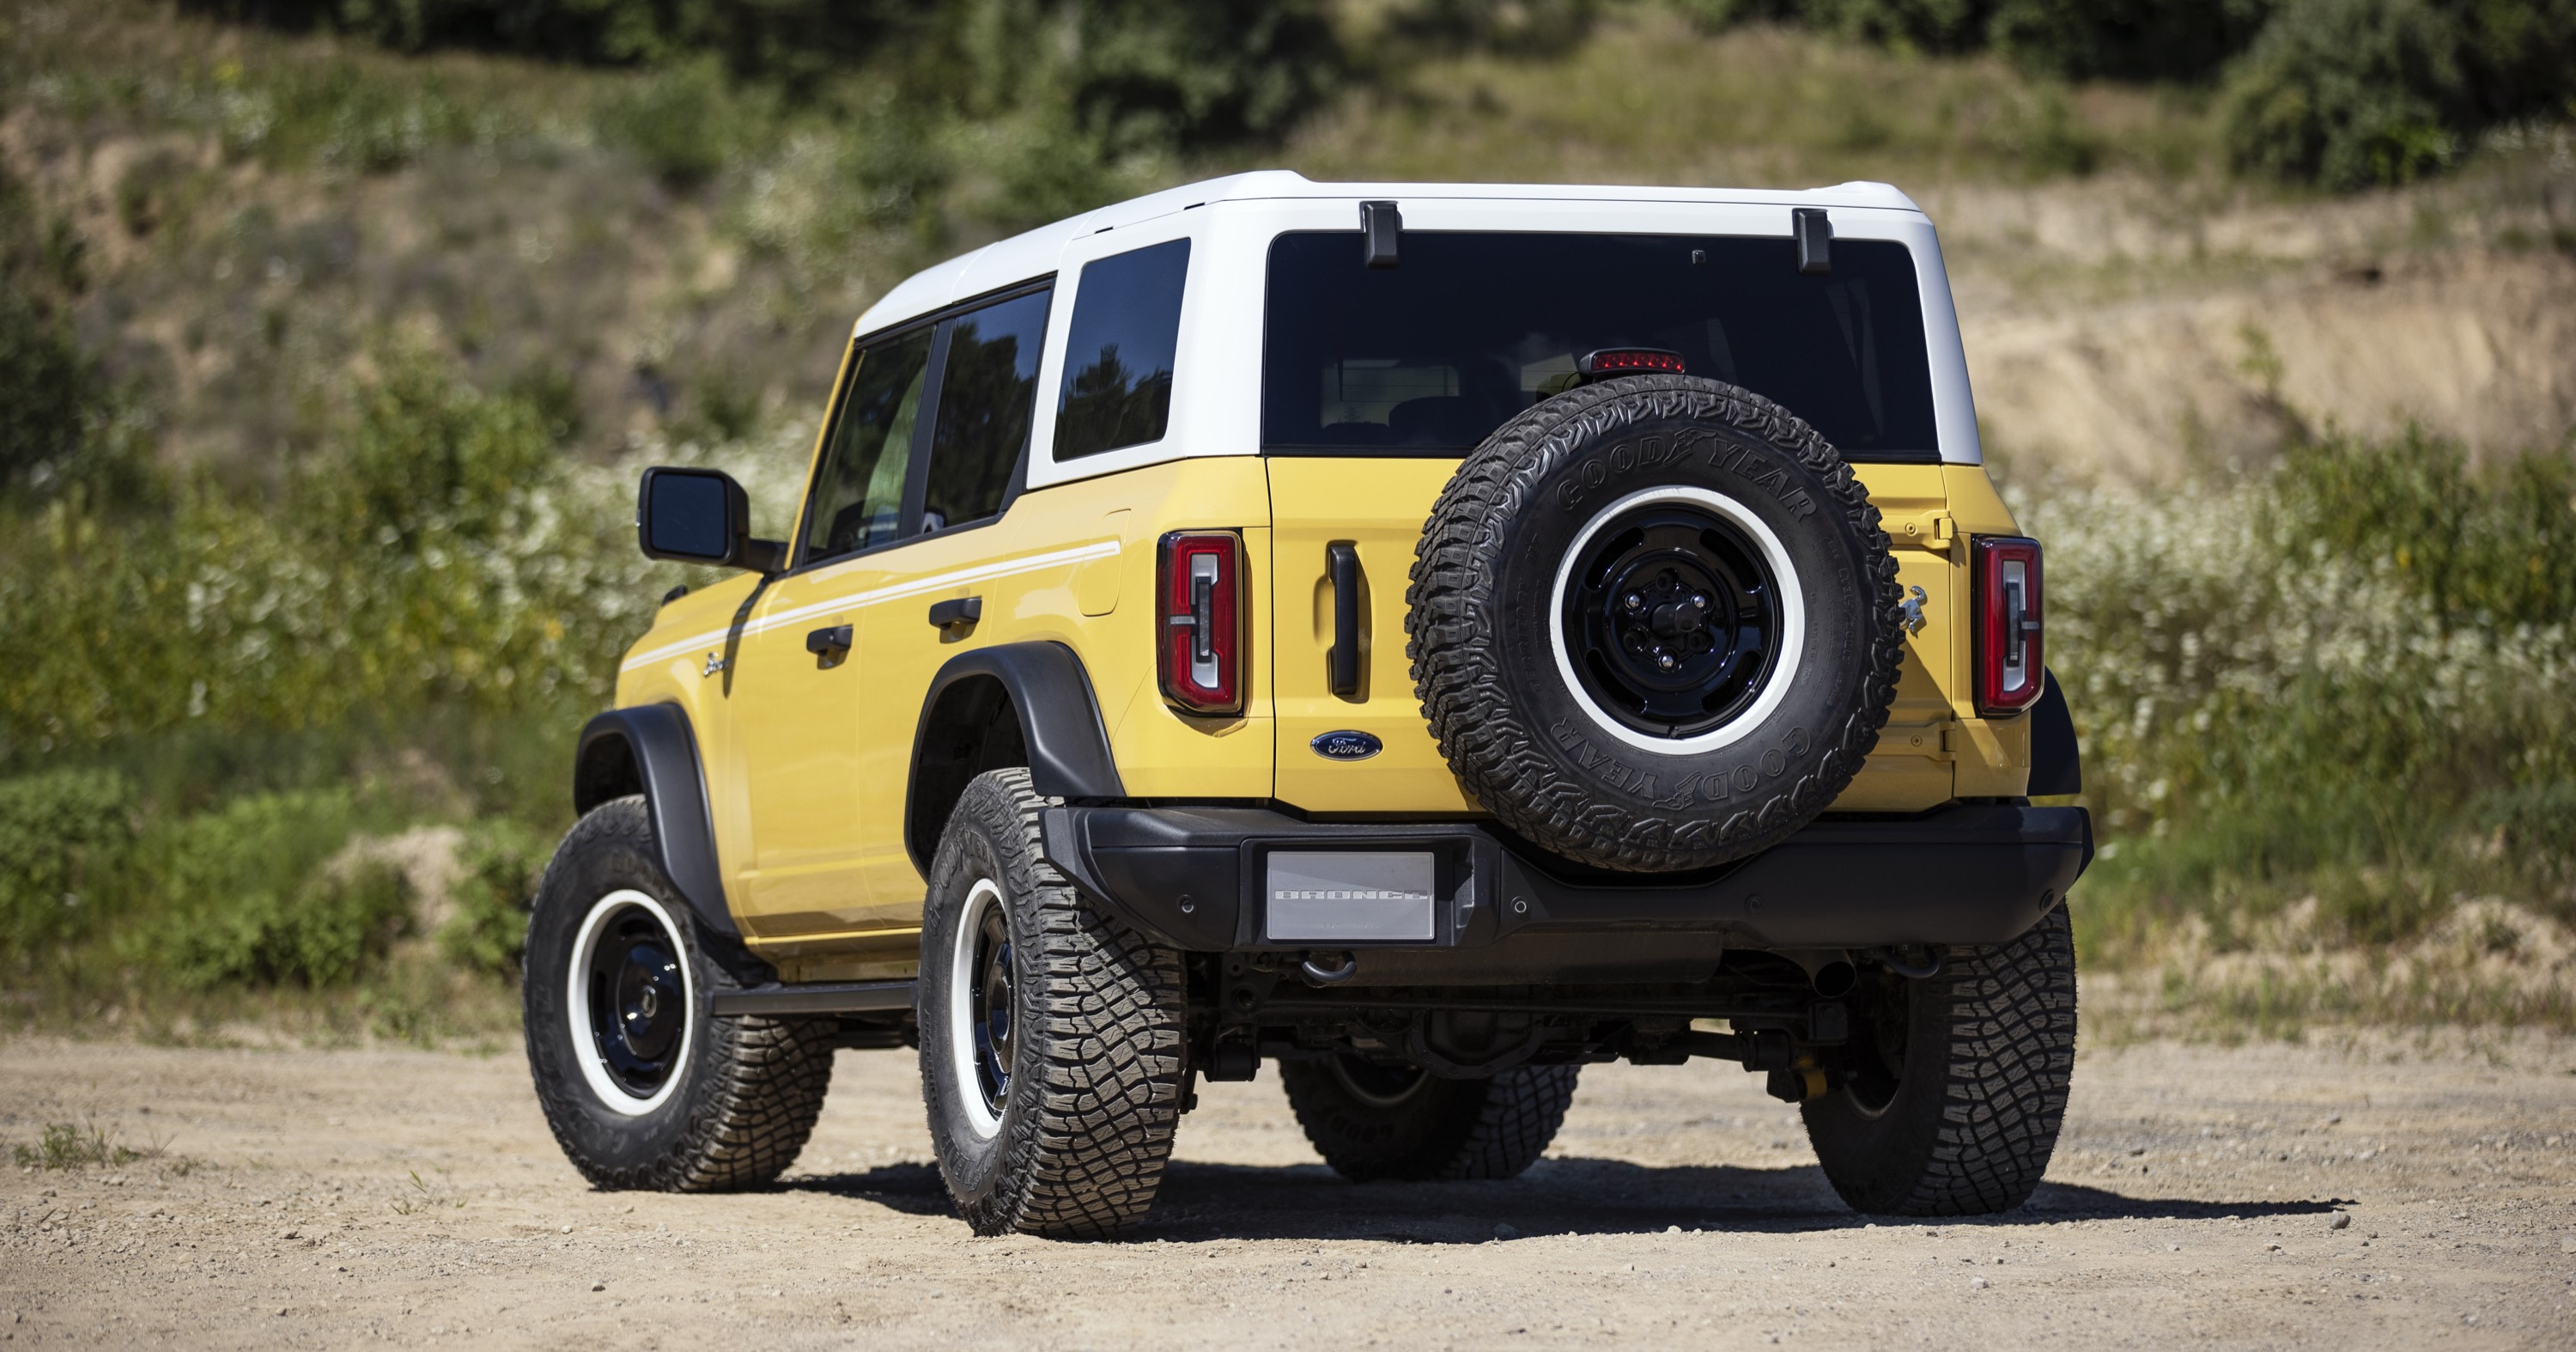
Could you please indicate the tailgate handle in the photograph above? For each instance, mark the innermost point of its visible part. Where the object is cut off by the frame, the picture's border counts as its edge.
(1342, 559)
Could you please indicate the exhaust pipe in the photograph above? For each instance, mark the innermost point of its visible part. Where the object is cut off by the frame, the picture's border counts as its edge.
(1829, 970)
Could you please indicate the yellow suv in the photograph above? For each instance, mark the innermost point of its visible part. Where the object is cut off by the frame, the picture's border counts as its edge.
(1430, 636)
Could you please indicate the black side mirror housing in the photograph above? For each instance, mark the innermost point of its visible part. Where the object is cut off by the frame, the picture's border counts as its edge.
(700, 516)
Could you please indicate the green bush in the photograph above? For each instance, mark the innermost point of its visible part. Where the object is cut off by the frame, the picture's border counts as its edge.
(2353, 676)
(253, 894)
(2348, 93)
(501, 862)
(63, 835)
(2185, 40)
(47, 385)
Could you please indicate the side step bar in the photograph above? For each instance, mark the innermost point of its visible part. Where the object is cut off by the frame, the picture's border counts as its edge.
(845, 997)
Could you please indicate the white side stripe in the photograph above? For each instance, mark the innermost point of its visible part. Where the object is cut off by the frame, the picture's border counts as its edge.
(895, 592)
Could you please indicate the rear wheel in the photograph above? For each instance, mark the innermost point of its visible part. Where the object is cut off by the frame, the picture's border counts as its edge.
(1373, 1122)
(1051, 1035)
(1956, 1084)
(642, 1087)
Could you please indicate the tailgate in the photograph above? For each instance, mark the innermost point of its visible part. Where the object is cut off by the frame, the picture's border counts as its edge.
(1377, 506)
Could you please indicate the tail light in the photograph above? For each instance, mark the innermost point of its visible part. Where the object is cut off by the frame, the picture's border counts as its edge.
(1201, 621)
(2010, 661)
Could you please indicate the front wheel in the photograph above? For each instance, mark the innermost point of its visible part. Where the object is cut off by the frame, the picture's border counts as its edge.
(1051, 1035)
(642, 1086)
(1955, 1085)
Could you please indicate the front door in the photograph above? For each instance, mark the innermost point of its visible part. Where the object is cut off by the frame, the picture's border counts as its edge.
(799, 676)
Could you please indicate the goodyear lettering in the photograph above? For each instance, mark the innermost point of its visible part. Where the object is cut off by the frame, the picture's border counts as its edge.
(1582, 479)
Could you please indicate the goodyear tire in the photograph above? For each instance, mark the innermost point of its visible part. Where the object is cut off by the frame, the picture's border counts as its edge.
(1954, 1085)
(643, 1088)
(1051, 1035)
(1373, 1122)
(1653, 624)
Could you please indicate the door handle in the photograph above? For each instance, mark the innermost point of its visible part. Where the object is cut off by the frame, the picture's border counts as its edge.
(958, 613)
(1342, 559)
(828, 642)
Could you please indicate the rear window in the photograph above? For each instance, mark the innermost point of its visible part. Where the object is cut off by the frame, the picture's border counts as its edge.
(1430, 356)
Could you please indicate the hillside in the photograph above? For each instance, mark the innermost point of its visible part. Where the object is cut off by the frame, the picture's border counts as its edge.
(332, 365)
(653, 254)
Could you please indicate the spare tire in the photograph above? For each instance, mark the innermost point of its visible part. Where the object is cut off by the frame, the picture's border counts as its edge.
(1653, 624)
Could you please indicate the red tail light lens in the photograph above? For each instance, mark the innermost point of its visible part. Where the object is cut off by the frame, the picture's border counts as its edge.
(2010, 660)
(1200, 621)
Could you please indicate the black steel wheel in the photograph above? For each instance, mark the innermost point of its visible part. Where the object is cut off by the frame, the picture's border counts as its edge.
(1673, 617)
(636, 994)
(990, 1008)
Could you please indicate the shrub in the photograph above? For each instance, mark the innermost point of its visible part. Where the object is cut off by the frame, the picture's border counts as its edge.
(63, 834)
(249, 894)
(488, 929)
(2347, 93)
(2131, 39)
(2354, 675)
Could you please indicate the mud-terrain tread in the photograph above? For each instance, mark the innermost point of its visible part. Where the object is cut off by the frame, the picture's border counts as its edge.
(1110, 1037)
(1523, 1109)
(1487, 1129)
(1451, 621)
(2011, 1035)
(765, 1079)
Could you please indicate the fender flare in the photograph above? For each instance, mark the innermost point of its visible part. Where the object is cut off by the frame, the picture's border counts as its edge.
(651, 749)
(2055, 766)
(1059, 720)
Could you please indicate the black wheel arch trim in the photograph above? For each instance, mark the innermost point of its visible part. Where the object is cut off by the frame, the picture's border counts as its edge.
(652, 750)
(1061, 730)
(2055, 766)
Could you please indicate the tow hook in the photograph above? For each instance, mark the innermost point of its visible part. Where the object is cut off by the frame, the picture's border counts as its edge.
(1328, 969)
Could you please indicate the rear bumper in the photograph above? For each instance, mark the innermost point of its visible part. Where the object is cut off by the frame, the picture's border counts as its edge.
(1194, 878)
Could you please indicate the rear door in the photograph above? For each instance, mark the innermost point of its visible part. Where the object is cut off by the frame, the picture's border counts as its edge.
(956, 552)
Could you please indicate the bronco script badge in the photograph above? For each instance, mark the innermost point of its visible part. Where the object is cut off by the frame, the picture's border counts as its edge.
(1347, 745)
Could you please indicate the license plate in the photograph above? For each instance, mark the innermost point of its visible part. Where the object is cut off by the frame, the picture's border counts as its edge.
(1349, 896)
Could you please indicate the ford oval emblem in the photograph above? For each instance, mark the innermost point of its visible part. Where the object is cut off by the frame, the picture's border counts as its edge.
(1347, 745)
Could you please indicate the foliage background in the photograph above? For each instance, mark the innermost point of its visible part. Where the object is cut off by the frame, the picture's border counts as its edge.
(333, 334)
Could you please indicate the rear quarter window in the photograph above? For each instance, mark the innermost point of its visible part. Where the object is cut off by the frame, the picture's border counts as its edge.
(1120, 351)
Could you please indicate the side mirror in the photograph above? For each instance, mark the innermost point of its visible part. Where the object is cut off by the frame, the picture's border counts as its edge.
(701, 516)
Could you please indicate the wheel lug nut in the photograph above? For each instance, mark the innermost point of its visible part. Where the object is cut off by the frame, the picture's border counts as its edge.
(1636, 602)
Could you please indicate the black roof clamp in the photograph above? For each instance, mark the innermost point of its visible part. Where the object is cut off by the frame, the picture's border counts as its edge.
(1815, 235)
(1380, 225)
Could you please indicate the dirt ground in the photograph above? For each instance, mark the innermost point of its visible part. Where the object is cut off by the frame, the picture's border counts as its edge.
(343, 1197)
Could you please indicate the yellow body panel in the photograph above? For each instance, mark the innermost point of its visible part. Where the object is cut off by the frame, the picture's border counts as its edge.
(808, 764)
(1377, 505)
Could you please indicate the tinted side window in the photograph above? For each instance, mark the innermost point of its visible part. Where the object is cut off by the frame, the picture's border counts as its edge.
(986, 393)
(858, 494)
(1118, 360)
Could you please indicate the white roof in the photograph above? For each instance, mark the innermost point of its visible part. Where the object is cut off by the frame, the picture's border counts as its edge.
(1034, 253)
